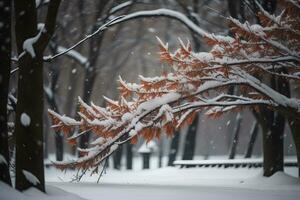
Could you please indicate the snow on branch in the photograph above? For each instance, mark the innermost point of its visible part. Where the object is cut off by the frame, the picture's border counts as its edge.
(163, 12)
(99, 30)
(81, 59)
(28, 43)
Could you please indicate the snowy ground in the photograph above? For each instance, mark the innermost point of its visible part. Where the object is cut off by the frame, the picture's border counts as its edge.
(165, 183)
(142, 192)
(175, 183)
(53, 193)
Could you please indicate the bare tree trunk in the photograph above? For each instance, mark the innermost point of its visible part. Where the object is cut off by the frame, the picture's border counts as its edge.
(253, 136)
(272, 126)
(5, 55)
(129, 156)
(190, 140)
(89, 79)
(117, 156)
(59, 145)
(29, 123)
(90, 70)
(173, 149)
(235, 139)
(295, 129)
(160, 153)
(50, 94)
(29, 115)
(272, 123)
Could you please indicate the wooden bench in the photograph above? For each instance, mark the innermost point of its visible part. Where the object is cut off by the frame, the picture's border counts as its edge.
(253, 162)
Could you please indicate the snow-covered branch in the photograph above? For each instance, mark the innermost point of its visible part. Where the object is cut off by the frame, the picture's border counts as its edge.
(99, 30)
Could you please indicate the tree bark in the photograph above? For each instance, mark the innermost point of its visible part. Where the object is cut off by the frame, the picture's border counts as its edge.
(295, 129)
(190, 140)
(117, 156)
(173, 149)
(129, 156)
(90, 69)
(29, 115)
(235, 139)
(89, 79)
(253, 136)
(29, 134)
(50, 96)
(272, 143)
(5, 55)
(272, 123)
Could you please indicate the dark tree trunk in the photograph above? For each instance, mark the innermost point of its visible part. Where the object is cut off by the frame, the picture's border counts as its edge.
(29, 115)
(90, 68)
(273, 127)
(295, 129)
(173, 149)
(59, 144)
(235, 139)
(29, 132)
(117, 156)
(272, 123)
(160, 153)
(146, 160)
(253, 136)
(235, 8)
(5, 55)
(190, 140)
(29, 136)
(129, 156)
(89, 80)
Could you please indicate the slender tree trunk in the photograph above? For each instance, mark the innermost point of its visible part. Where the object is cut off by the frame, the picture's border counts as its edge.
(90, 69)
(190, 140)
(89, 80)
(173, 149)
(5, 55)
(160, 153)
(129, 156)
(235, 139)
(253, 136)
(117, 156)
(59, 145)
(295, 129)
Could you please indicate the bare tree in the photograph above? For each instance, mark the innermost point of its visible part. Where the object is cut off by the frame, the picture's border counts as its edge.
(31, 43)
(5, 54)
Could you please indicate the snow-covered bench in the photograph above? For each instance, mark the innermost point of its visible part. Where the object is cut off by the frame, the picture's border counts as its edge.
(253, 162)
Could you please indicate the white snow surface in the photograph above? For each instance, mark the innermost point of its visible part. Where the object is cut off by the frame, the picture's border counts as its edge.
(174, 183)
(30, 177)
(52, 193)
(25, 119)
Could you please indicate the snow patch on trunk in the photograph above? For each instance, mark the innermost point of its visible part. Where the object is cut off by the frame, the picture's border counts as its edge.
(25, 119)
(2, 160)
(30, 177)
(28, 43)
